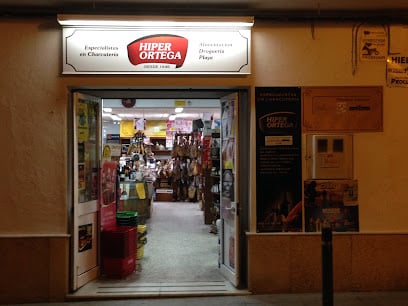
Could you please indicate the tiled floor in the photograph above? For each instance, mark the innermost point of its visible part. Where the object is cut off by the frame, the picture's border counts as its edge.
(180, 259)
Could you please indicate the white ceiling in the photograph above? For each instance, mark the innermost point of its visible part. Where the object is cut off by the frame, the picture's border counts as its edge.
(161, 109)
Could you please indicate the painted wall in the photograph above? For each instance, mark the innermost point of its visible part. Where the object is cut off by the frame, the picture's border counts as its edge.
(298, 55)
(33, 116)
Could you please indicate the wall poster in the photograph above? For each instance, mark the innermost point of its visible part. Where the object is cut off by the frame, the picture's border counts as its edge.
(278, 159)
(108, 195)
(331, 203)
(84, 237)
(373, 43)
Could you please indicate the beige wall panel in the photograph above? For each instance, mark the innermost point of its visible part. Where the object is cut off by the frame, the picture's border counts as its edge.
(379, 262)
(305, 263)
(23, 263)
(269, 264)
(342, 259)
(59, 268)
(361, 262)
(33, 269)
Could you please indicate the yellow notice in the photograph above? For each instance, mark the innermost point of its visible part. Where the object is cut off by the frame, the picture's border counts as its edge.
(156, 128)
(82, 122)
(140, 190)
(180, 103)
(127, 130)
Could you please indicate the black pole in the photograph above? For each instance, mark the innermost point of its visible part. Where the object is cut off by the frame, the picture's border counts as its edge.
(327, 267)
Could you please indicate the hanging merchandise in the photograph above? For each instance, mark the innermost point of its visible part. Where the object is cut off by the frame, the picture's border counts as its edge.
(185, 156)
(137, 144)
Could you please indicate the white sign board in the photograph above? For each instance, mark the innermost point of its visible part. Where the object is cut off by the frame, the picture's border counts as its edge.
(135, 51)
(397, 61)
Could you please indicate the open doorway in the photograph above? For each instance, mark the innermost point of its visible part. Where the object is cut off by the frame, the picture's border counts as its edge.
(181, 248)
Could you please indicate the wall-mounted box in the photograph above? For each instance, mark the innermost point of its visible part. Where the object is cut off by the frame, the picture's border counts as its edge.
(329, 156)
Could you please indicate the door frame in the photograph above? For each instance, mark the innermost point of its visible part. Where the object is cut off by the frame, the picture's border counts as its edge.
(244, 118)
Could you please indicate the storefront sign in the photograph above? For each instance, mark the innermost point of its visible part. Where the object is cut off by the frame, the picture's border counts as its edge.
(342, 109)
(139, 51)
(278, 159)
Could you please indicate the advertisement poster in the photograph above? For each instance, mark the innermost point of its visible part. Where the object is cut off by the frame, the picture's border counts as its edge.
(108, 196)
(331, 203)
(85, 237)
(397, 60)
(278, 159)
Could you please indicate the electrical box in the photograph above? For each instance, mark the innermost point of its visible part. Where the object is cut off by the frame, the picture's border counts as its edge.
(329, 156)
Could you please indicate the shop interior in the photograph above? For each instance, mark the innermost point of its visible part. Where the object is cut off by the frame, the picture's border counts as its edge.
(159, 143)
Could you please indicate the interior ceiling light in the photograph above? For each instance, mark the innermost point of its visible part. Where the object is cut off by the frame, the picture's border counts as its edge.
(155, 21)
(178, 109)
(107, 109)
(126, 115)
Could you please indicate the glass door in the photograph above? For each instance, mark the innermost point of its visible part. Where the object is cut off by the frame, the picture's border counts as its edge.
(86, 147)
(229, 204)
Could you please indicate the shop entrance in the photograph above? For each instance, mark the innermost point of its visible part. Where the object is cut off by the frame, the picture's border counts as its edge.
(223, 171)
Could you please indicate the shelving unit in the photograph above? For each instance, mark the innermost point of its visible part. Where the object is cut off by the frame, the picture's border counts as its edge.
(211, 183)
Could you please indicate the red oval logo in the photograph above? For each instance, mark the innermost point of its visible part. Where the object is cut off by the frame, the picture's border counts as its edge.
(164, 49)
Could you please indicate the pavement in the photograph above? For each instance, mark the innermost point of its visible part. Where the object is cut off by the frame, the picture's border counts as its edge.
(381, 298)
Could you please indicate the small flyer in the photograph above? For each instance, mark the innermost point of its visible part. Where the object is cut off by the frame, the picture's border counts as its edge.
(373, 44)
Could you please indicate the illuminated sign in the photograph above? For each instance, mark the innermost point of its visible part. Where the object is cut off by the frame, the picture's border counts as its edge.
(95, 50)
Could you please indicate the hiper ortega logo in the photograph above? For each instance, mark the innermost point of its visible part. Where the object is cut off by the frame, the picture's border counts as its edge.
(278, 121)
(160, 48)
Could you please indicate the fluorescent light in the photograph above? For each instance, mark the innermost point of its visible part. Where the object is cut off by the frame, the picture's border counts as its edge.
(172, 117)
(117, 118)
(164, 115)
(155, 21)
(107, 109)
(126, 115)
(178, 109)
